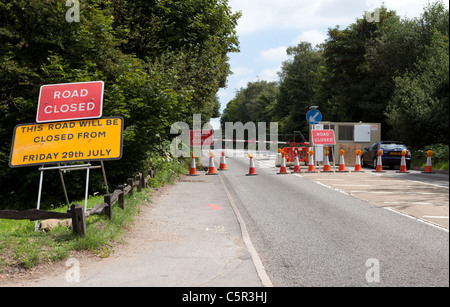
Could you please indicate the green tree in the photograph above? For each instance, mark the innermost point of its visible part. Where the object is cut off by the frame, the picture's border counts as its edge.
(175, 70)
(196, 35)
(297, 81)
(251, 103)
(347, 90)
(418, 111)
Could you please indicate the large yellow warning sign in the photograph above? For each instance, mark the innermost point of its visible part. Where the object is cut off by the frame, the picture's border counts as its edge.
(71, 141)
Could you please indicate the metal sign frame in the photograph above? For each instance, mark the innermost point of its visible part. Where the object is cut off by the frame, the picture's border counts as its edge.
(67, 168)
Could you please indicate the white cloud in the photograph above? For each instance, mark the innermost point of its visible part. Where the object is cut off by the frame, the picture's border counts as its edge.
(241, 70)
(276, 55)
(313, 36)
(261, 15)
(270, 74)
(242, 82)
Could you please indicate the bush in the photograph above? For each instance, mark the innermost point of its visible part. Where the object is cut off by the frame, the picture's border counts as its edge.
(440, 156)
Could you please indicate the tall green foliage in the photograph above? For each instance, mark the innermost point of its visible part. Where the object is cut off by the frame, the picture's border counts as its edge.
(419, 108)
(394, 71)
(297, 82)
(161, 61)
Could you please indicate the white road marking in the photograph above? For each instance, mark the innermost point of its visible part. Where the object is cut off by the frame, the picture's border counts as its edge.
(265, 279)
(352, 185)
(386, 208)
(417, 219)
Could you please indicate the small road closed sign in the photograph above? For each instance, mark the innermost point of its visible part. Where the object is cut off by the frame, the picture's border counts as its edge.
(70, 101)
(323, 137)
(70, 141)
(201, 137)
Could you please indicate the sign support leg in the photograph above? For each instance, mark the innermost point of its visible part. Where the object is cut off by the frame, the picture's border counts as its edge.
(104, 177)
(64, 186)
(39, 197)
(87, 188)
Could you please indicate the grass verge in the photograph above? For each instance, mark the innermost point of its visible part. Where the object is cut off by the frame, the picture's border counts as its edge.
(23, 248)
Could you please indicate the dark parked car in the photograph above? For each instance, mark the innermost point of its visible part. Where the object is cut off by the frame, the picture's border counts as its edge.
(392, 154)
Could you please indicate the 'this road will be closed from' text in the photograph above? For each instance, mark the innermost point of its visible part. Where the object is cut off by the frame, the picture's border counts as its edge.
(84, 140)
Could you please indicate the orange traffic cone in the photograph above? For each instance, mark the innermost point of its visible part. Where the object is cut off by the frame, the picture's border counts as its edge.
(403, 168)
(379, 168)
(342, 168)
(223, 163)
(193, 169)
(326, 164)
(212, 168)
(252, 170)
(311, 168)
(428, 167)
(296, 164)
(358, 168)
(283, 164)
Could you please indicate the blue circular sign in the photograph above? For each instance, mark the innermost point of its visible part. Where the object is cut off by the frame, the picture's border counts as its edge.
(314, 117)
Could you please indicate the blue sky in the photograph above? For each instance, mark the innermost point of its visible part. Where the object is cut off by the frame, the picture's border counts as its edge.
(268, 27)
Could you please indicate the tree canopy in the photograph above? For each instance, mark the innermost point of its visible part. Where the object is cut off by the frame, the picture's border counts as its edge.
(394, 71)
(161, 61)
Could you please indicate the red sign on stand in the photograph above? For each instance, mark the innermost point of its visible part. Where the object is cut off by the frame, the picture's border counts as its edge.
(71, 101)
(323, 137)
(201, 138)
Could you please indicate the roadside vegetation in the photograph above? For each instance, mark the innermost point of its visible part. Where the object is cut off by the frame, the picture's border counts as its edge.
(161, 62)
(394, 72)
(440, 157)
(23, 248)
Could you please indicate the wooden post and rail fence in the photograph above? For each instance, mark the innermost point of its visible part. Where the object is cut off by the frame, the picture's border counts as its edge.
(76, 212)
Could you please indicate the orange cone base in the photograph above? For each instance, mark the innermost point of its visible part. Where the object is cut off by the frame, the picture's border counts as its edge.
(342, 170)
(403, 169)
(192, 172)
(211, 171)
(251, 174)
(283, 171)
(223, 167)
(429, 167)
(358, 169)
(379, 169)
(326, 169)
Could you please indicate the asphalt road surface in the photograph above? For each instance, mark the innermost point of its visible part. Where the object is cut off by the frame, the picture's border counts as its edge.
(309, 235)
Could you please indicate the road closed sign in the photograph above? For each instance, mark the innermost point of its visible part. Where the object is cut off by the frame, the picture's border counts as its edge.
(71, 101)
(323, 137)
(70, 141)
(201, 137)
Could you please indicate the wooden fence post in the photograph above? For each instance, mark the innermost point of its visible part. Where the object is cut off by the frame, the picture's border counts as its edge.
(78, 220)
(143, 179)
(122, 197)
(130, 183)
(108, 209)
(139, 186)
